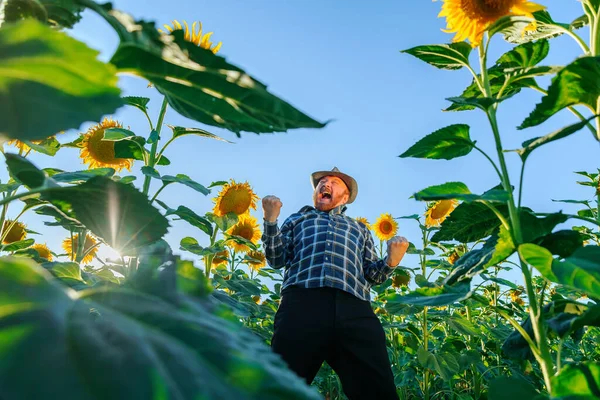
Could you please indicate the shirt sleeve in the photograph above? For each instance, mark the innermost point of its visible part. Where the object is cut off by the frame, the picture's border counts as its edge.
(375, 269)
(277, 243)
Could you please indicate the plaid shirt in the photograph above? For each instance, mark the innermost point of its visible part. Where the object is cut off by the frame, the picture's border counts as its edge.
(325, 249)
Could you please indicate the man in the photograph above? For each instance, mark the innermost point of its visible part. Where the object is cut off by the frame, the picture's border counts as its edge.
(325, 312)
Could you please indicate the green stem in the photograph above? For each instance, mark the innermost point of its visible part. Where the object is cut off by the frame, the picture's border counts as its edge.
(158, 192)
(8, 199)
(160, 153)
(522, 174)
(490, 160)
(537, 320)
(152, 160)
(577, 38)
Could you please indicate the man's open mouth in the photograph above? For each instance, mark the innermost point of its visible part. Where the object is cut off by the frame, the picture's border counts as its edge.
(326, 195)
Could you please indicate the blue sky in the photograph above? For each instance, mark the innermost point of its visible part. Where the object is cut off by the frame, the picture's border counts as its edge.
(341, 60)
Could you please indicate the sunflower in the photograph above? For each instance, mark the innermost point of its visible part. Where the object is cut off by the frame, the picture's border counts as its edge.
(43, 251)
(439, 211)
(13, 233)
(98, 153)
(452, 258)
(402, 278)
(515, 296)
(70, 246)
(258, 261)
(247, 227)
(469, 19)
(235, 197)
(364, 221)
(221, 257)
(256, 299)
(194, 35)
(385, 227)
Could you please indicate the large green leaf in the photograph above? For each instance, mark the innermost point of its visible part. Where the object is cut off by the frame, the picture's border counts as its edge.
(134, 345)
(197, 83)
(433, 296)
(192, 218)
(179, 178)
(114, 211)
(444, 56)
(459, 191)
(445, 364)
(56, 13)
(50, 82)
(577, 381)
(22, 170)
(447, 143)
(580, 271)
(525, 55)
(575, 84)
(518, 29)
(504, 388)
(562, 243)
(469, 222)
(532, 144)
(179, 131)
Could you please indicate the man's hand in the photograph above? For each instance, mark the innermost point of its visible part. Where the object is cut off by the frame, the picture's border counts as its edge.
(396, 248)
(271, 208)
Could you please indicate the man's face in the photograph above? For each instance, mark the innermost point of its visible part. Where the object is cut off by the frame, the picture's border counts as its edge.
(330, 193)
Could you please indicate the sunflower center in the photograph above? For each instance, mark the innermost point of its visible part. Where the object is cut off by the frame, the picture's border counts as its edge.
(245, 231)
(236, 200)
(386, 227)
(101, 150)
(488, 9)
(441, 209)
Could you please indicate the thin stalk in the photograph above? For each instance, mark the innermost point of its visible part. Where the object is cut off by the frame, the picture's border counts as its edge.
(491, 161)
(8, 199)
(158, 192)
(521, 175)
(152, 160)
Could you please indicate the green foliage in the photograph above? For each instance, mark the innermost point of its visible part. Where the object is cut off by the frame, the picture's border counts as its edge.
(65, 98)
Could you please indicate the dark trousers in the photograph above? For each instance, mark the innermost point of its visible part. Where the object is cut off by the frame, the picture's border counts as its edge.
(326, 324)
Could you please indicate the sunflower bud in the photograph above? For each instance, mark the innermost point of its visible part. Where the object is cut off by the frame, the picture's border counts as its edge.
(401, 278)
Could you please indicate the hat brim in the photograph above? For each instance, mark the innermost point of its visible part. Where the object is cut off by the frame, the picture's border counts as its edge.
(348, 180)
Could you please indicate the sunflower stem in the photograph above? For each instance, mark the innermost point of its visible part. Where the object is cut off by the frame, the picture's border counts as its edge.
(545, 360)
(152, 160)
(490, 160)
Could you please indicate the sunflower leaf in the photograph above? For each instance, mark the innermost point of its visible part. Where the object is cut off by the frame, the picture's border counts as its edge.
(82, 176)
(577, 381)
(545, 28)
(444, 56)
(16, 10)
(433, 296)
(137, 102)
(512, 388)
(580, 271)
(225, 222)
(575, 84)
(116, 134)
(116, 212)
(190, 244)
(22, 170)
(179, 131)
(18, 245)
(197, 83)
(144, 341)
(459, 191)
(192, 218)
(62, 96)
(187, 181)
(49, 146)
(483, 103)
(447, 143)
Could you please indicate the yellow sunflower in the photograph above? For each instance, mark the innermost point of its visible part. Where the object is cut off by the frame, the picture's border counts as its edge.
(13, 233)
(238, 198)
(385, 227)
(259, 260)
(364, 221)
(469, 19)
(221, 257)
(194, 35)
(401, 278)
(98, 153)
(70, 248)
(247, 227)
(453, 257)
(439, 211)
(256, 299)
(515, 296)
(43, 251)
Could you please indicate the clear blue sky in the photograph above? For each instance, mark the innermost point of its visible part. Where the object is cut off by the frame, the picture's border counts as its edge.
(341, 60)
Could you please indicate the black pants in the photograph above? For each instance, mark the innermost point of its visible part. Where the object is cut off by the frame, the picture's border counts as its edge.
(325, 324)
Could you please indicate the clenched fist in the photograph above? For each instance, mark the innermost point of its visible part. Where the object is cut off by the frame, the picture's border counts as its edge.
(271, 208)
(396, 248)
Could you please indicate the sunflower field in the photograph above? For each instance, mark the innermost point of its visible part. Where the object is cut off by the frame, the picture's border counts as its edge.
(194, 319)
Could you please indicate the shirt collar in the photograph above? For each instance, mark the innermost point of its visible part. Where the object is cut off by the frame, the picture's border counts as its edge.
(335, 211)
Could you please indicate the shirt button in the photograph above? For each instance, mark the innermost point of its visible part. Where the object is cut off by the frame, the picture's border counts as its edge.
(326, 258)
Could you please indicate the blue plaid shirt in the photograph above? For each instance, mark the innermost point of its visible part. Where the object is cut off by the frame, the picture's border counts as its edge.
(325, 249)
